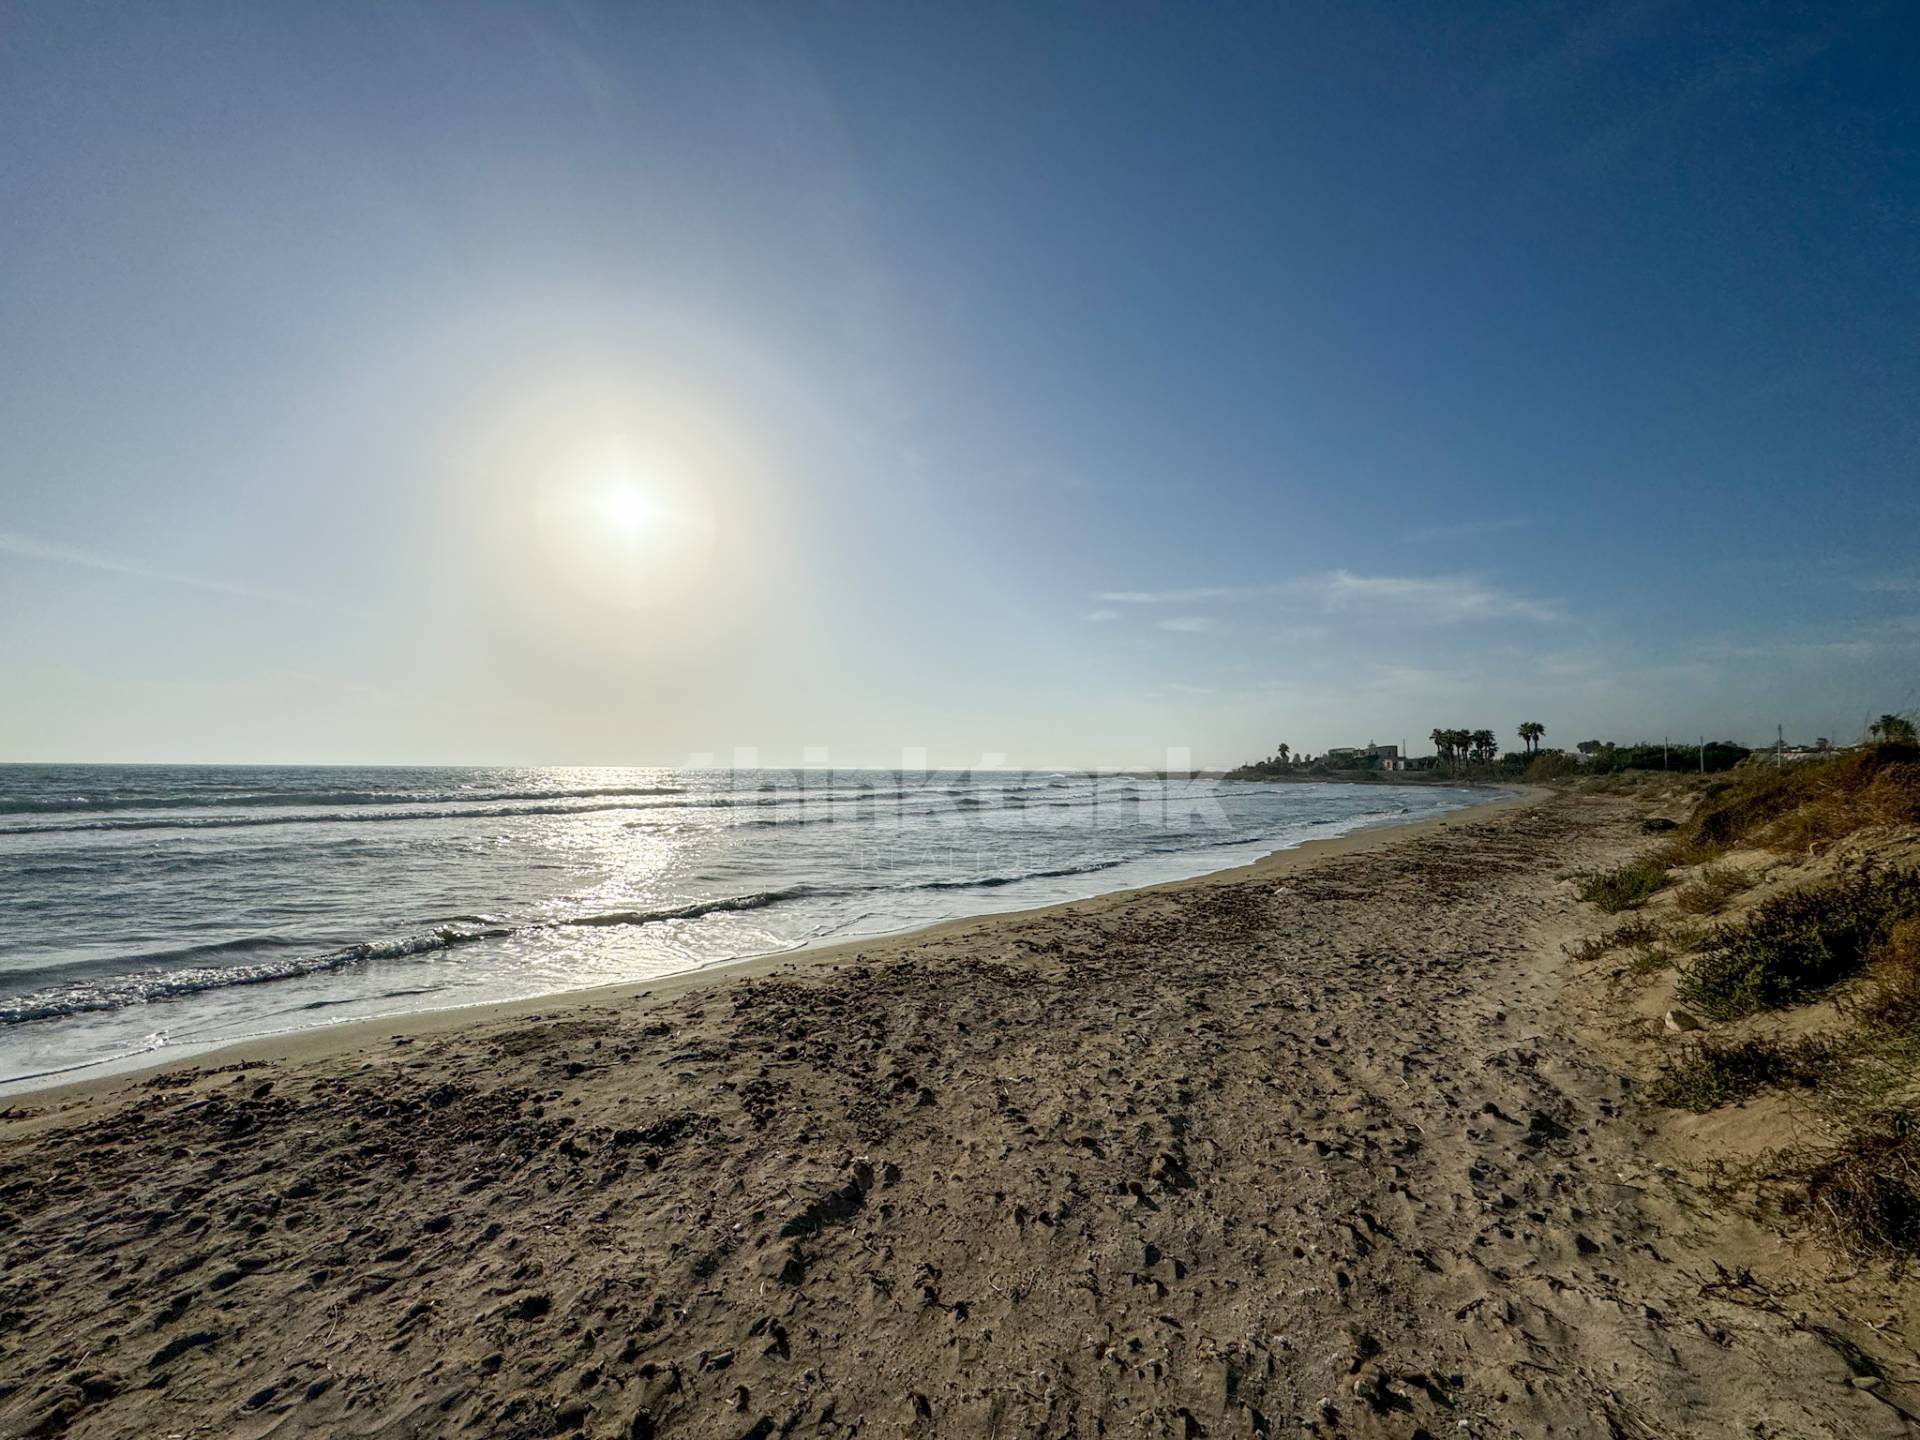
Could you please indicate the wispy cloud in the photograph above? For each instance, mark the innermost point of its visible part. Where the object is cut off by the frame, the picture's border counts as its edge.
(1408, 598)
(1466, 530)
(1435, 600)
(1100, 617)
(33, 548)
(1197, 595)
(1187, 624)
(1890, 584)
(1863, 640)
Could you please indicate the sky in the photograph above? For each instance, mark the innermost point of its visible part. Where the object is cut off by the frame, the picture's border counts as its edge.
(1038, 385)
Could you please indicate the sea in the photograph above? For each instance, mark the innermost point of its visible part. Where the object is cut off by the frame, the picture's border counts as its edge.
(153, 911)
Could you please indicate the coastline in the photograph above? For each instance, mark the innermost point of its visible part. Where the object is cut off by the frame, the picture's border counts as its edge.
(374, 1035)
(1314, 1145)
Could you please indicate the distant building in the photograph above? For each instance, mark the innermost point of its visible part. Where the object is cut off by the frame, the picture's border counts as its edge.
(1386, 756)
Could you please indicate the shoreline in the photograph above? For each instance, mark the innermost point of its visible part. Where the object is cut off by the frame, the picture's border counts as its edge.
(1317, 1144)
(32, 1102)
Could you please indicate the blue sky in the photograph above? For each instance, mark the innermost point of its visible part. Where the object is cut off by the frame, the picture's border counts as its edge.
(1061, 384)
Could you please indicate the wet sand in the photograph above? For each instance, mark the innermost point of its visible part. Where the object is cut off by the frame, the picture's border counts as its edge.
(1315, 1146)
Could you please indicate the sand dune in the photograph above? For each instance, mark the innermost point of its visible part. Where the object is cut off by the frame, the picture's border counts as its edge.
(1311, 1148)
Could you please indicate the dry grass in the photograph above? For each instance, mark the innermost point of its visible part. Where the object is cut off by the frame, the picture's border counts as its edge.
(1634, 932)
(1807, 805)
(1863, 1194)
(1859, 797)
(1646, 945)
(1711, 889)
(1890, 998)
(1883, 1062)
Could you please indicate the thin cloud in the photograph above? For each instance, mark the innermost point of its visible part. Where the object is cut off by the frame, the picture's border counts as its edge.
(1466, 530)
(1187, 624)
(1437, 600)
(1869, 640)
(1197, 595)
(32, 548)
(1410, 599)
(1890, 584)
(1100, 617)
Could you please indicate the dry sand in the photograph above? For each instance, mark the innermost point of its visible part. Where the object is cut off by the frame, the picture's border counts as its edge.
(1319, 1146)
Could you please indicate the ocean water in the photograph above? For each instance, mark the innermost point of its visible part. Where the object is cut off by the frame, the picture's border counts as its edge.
(159, 909)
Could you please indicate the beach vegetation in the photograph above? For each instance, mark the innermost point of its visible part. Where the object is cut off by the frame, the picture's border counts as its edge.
(1889, 1001)
(1709, 892)
(1863, 1192)
(1853, 938)
(1626, 887)
(1797, 944)
(1807, 805)
(1860, 1189)
(1548, 765)
(1651, 957)
(1713, 1075)
(1713, 757)
(1634, 931)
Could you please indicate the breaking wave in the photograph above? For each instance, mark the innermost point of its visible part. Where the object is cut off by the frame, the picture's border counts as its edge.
(160, 981)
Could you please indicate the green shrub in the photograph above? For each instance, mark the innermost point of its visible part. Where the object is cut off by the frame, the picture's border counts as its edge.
(1796, 944)
(1674, 759)
(1627, 888)
(1552, 765)
(1717, 1075)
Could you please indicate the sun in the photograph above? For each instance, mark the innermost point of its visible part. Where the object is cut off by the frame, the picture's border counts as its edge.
(624, 522)
(625, 508)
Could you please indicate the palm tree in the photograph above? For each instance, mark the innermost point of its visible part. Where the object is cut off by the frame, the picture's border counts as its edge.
(1285, 750)
(1441, 742)
(1485, 744)
(1530, 733)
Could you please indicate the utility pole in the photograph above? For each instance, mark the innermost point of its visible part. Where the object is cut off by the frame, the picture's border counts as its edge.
(1779, 746)
(1663, 752)
(1703, 754)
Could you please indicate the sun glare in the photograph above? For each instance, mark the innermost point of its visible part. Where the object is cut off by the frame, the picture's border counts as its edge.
(623, 522)
(625, 508)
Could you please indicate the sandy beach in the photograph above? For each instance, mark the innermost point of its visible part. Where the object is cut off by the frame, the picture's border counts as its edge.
(1320, 1146)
